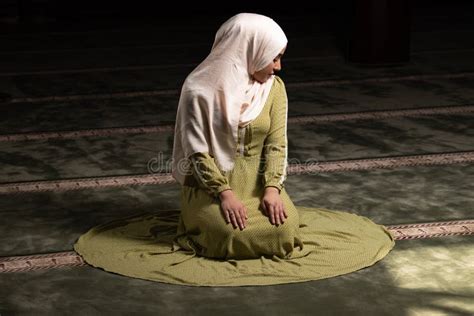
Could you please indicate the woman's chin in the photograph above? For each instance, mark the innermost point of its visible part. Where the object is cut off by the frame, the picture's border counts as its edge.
(263, 80)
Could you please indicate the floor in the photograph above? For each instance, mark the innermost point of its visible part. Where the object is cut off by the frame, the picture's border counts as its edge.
(86, 131)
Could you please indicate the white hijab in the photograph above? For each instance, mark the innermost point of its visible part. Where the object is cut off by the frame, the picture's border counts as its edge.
(209, 109)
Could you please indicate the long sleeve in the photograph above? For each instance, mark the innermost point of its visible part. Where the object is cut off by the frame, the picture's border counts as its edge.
(276, 144)
(208, 174)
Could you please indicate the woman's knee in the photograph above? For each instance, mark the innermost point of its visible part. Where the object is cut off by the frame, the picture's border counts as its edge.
(284, 231)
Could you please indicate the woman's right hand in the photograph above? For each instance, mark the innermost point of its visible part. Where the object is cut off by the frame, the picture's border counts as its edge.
(234, 211)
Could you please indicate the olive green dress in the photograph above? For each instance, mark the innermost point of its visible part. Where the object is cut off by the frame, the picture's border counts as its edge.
(195, 246)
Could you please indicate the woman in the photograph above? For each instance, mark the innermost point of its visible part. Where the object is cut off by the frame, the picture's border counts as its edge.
(238, 153)
(237, 224)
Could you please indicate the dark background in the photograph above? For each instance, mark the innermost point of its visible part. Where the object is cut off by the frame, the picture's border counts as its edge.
(88, 13)
(370, 32)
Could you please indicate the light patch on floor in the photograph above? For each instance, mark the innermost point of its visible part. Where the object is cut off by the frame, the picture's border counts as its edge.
(436, 269)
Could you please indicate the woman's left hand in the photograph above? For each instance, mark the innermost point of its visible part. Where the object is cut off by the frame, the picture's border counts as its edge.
(273, 206)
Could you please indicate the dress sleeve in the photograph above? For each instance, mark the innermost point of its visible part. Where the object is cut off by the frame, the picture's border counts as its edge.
(276, 144)
(208, 174)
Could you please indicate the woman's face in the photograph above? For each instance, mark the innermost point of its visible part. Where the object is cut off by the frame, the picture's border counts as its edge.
(264, 74)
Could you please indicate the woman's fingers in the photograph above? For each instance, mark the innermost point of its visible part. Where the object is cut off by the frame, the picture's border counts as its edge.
(264, 208)
(277, 214)
(234, 212)
(237, 218)
(243, 216)
(227, 216)
(240, 220)
(282, 214)
(272, 214)
(233, 219)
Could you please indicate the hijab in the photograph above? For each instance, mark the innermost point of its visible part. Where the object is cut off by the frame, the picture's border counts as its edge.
(219, 88)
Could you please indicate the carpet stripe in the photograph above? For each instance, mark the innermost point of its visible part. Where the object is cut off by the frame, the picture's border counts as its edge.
(310, 167)
(133, 68)
(318, 83)
(313, 167)
(99, 69)
(71, 258)
(298, 120)
(86, 133)
(431, 230)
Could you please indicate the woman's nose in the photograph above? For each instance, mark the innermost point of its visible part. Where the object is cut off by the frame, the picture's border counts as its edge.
(277, 66)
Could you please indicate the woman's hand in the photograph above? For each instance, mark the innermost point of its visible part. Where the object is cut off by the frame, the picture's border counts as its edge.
(234, 210)
(273, 207)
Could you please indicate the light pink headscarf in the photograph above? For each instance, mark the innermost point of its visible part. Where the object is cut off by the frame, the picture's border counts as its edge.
(212, 95)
